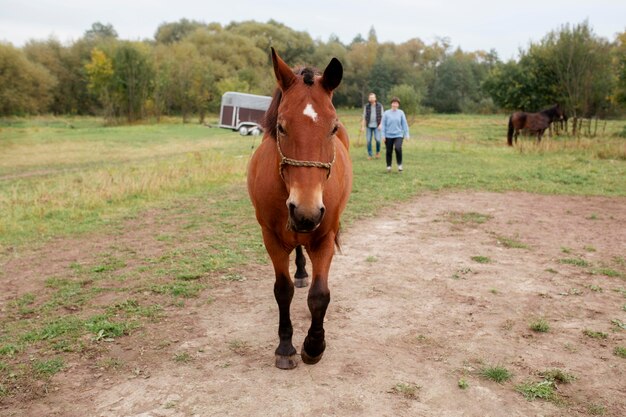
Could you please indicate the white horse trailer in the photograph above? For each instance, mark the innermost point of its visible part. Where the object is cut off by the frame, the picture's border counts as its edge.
(243, 112)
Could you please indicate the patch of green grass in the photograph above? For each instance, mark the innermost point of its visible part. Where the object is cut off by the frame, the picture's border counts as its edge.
(607, 272)
(596, 409)
(183, 357)
(620, 351)
(183, 289)
(165, 238)
(47, 368)
(552, 271)
(539, 325)
(575, 261)
(105, 329)
(371, 259)
(240, 347)
(572, 291)
(468, 217)
(109, 264)
(69, 326)
(462, 383)
(189, 276)
(595, 335)
(511, 243)
(619, 325)
(111, 363)
(481, 259)
(565, 249)
(497, 374)
(590, 248)
(558, 375)
(233, 277)
(407, 390)
(533, 390)
(24, 303)
(594, 288)
(9, 350)
(570, 347)
(460, 273)
(132, 307)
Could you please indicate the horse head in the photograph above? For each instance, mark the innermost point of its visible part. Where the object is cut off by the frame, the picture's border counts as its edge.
(560, 113)
(305, 133)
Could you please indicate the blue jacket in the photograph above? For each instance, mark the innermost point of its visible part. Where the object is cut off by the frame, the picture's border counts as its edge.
(394, 124)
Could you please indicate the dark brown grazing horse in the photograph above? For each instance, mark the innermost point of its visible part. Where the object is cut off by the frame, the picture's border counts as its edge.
(535, 123)
(299, 181)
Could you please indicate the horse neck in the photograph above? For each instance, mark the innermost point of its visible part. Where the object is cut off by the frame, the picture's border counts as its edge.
(550, 113)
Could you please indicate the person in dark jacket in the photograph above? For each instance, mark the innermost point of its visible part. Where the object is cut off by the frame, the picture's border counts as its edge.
(372, 117)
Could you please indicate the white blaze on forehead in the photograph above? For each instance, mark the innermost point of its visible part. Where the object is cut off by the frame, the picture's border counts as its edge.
(310, 111)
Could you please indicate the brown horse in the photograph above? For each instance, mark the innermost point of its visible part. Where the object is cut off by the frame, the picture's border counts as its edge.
(299, 181)
(535, 123)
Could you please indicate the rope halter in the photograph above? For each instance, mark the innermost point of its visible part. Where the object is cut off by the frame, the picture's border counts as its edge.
(296, 163)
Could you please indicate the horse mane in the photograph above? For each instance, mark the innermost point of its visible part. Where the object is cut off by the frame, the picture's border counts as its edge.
(271, 115)
(550, 111)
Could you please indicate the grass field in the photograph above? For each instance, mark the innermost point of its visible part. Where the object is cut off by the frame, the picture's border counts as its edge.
(62, 178)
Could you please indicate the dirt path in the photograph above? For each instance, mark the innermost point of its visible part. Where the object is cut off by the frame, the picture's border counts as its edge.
(411, 314)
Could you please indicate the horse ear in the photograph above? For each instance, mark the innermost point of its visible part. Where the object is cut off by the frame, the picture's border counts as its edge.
(284, 74)
(332, 75)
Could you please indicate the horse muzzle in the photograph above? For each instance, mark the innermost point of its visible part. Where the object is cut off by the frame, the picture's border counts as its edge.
(302, 220)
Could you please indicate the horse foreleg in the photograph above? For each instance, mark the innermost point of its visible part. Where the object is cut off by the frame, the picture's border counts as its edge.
(318, 300)
(515, 135)
(301, 274)
(283, 292)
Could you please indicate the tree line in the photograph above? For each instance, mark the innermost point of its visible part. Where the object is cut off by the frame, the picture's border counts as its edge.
(188, 65)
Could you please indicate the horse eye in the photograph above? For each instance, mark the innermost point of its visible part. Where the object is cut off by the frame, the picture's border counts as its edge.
(280, 129)
(335, 129)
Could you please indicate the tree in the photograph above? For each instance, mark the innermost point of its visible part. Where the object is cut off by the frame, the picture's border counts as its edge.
(619, 63)
(357, 70)
(133, 79)
(25, 87)
(381, 80)
(295, 47)
(100, 31)
(100, 74)
(456, 83)
(409, 98)
(177, 31)
(184, 80)
(64, 63)
(233, 55)
(582, 64)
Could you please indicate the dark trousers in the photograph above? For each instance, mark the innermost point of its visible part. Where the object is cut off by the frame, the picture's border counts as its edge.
(392, 143)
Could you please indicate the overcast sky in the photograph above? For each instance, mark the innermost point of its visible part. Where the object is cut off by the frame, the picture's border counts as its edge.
(502, 25)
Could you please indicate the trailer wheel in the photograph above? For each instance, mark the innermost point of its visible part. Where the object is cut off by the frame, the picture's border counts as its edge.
(243, 131)
(255, 131)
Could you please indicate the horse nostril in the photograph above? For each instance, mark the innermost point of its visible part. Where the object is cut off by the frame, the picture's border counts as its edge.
(292, 208)
(322, 211)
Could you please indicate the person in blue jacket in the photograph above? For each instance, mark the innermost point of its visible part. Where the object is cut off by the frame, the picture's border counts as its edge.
(394, 129)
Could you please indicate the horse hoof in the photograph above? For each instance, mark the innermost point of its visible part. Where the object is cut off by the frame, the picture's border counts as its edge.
(308, 359)
(301, 282)
(286, 362)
